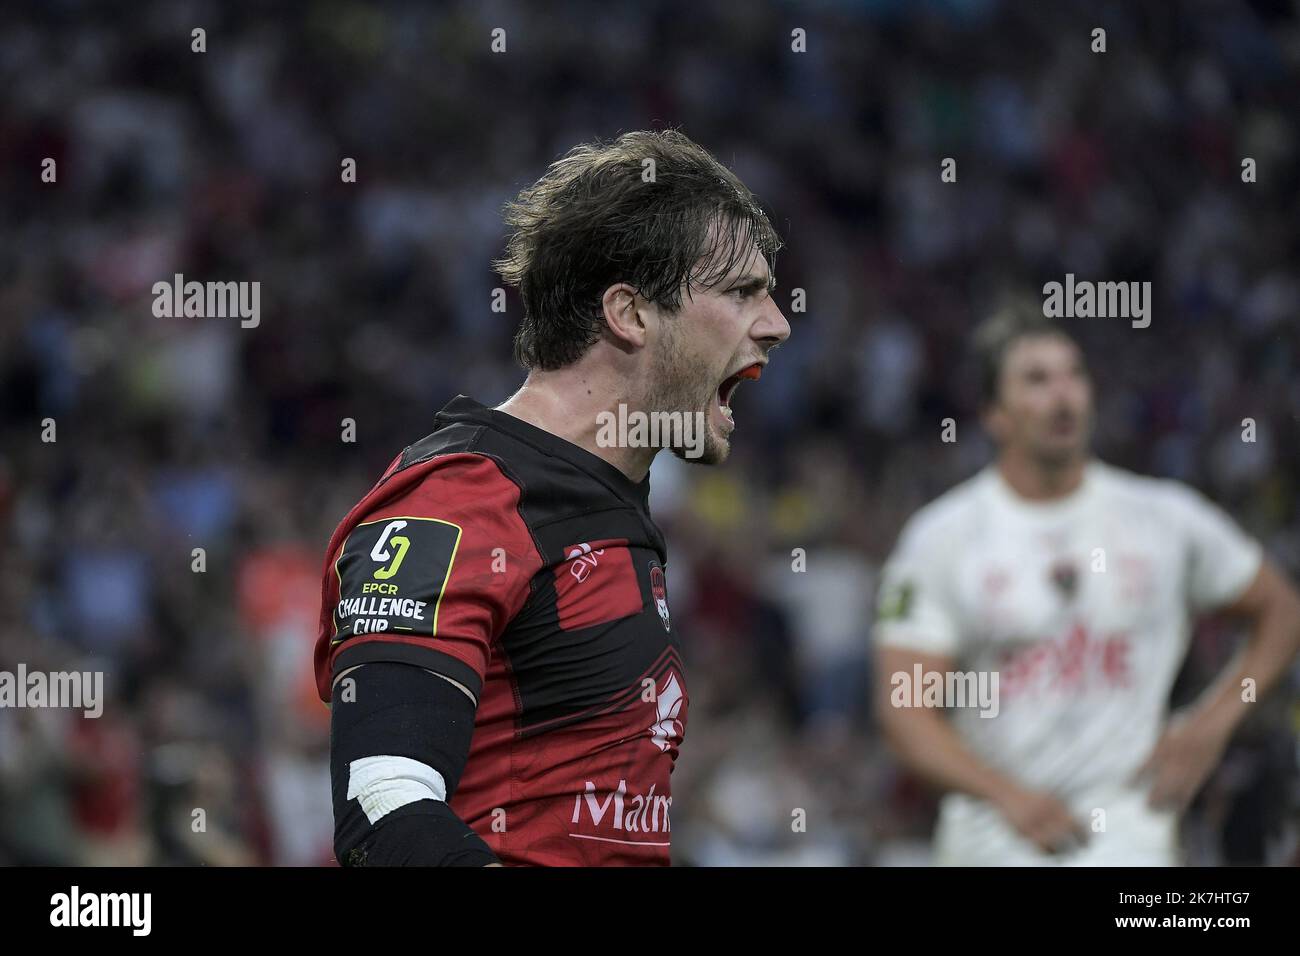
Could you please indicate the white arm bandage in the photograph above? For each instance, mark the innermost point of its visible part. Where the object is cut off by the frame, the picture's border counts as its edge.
(382, 784)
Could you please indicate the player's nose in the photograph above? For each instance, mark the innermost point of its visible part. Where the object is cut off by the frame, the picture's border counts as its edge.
(771, 328)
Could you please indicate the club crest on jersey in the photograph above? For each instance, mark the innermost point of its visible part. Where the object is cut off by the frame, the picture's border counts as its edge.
(1065, 578)
(659, 589)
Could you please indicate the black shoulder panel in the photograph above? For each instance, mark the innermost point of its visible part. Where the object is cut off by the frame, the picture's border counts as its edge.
(457, 437)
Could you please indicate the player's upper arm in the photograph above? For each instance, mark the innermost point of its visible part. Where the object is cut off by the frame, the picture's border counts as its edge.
(432, 576)
(1222, 560)
(895, 674)
(914, 607)
(1268, 589)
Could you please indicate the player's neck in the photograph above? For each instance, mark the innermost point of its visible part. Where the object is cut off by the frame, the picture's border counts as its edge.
(1037, 481)
(567, 403)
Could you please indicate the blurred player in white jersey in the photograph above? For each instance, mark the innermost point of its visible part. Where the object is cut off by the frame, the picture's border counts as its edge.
(1077, 584)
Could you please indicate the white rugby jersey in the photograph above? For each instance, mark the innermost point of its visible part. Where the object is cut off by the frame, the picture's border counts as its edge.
(1083, 607)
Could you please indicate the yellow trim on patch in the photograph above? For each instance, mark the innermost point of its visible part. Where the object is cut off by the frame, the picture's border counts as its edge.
(446, 577)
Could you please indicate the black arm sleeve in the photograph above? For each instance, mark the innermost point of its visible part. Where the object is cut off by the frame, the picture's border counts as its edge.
(399, 710)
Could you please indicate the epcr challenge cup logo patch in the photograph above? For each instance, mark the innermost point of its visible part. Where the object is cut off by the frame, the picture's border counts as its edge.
(381, 554)
(659, 589)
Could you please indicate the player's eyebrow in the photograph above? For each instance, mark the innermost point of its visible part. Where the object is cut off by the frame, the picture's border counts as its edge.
(753, 283)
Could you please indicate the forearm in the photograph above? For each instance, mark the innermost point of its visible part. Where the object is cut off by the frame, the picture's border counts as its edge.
(424, 833)
(398, 745)
(1258, 667)
(924, 739)
(928, 745)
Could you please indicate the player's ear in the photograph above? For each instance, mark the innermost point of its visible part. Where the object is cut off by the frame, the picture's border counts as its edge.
(624, 318)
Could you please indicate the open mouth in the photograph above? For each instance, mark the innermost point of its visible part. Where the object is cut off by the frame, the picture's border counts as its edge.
(728, 387)
(1064, 424)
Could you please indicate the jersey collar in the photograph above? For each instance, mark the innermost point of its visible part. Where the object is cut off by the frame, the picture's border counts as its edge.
(462, 408)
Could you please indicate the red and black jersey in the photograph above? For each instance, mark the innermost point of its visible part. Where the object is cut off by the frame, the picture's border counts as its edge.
(527, 569)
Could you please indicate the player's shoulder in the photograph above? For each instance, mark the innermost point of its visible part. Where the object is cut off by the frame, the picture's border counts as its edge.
(948, 517)
(467, 448)
(1147, 494)
(441, 477)
(467, 480)
(440, 505)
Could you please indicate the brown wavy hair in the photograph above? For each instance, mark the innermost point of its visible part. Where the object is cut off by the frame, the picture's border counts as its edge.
(597, 218)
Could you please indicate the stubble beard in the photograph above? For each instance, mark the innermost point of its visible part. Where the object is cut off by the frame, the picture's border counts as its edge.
(680, 384)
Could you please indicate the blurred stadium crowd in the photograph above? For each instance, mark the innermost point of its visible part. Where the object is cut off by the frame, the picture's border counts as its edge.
(175, 434)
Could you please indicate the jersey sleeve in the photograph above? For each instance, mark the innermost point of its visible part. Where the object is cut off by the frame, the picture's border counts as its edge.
(1222, 560)
(913, 606)
(432, 575)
